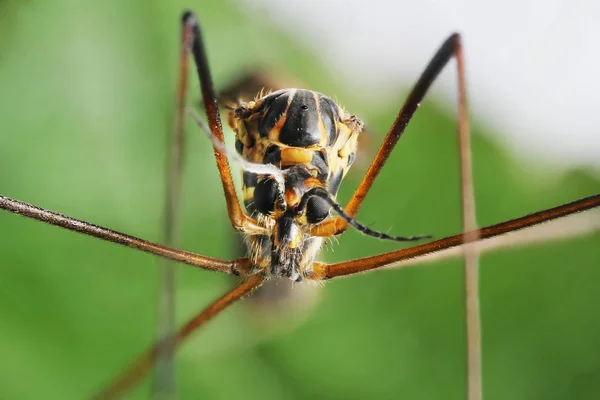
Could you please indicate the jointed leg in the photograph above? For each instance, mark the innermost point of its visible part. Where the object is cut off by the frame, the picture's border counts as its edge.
(472, 314)
(164, 381)
(239, 220)
(143, 364)
(240, 266)
(327, 271)
(450, 48)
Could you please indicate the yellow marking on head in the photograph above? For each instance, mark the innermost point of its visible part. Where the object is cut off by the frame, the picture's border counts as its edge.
(292, 197)
(310, 183)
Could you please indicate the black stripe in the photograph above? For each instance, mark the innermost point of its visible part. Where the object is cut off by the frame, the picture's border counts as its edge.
(351, 158)
(250, 179)
(239, 147)
(273, 107)
(301, 127)
(329, 114)
(319, 161)
(272, 155)
(335, 181)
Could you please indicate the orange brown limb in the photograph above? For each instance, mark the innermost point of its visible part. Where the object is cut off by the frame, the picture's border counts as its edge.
(471, 255)
(384, 260)
(329, 227)
(240, 221)
(435, 66)
(240, 266)
(144, 363)
(451, 47)
(164, 381)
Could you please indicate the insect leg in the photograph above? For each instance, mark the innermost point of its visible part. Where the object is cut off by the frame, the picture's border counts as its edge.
(471, 254)
(143, 364)
(164, 381)
(240, 266)
(328, 271)
(239, 220)
(337, 225)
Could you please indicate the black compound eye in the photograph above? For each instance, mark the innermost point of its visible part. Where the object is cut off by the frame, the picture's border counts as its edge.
(265, 194)
(317, 209)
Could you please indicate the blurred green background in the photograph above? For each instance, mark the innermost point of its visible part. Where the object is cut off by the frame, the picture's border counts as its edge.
(86, 101)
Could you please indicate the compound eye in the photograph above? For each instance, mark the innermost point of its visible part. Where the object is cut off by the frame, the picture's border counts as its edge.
(265, 194)
(317, 209)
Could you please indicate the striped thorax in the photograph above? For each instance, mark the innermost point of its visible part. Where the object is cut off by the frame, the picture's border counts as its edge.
(313, 142)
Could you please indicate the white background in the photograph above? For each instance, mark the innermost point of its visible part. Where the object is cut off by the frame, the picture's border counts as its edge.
(532, 65)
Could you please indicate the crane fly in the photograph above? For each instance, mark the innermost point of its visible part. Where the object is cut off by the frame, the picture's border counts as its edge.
(295, 146)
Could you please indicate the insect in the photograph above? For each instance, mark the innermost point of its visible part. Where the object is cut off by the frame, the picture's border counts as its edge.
(314, 342)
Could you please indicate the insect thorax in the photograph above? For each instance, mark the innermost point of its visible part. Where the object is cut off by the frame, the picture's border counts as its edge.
(313, 142)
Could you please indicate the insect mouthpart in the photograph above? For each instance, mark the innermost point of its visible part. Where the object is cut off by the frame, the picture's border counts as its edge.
(288, 248)
(292, 246)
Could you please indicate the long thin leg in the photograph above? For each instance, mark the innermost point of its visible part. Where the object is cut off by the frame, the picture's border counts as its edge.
(325, 271)
(164, 381)
(472, 315)
(241, 266)
(337, 225)
(239, 220)
(143, 364)
(569, 227)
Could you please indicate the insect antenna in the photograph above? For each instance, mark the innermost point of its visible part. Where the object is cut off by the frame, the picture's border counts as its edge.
(392, 258)
(325, 195)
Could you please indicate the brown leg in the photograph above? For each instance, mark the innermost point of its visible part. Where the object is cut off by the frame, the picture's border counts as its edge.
(239, 220)
(164, 381)
(326, 271)
(472, 314)
(448, 49)
(241, 266)
(143, 364)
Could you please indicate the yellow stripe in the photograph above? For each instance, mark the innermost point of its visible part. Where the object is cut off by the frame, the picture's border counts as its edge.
(295, 155)
(247, 192)
(274, 132)
(323, 141)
